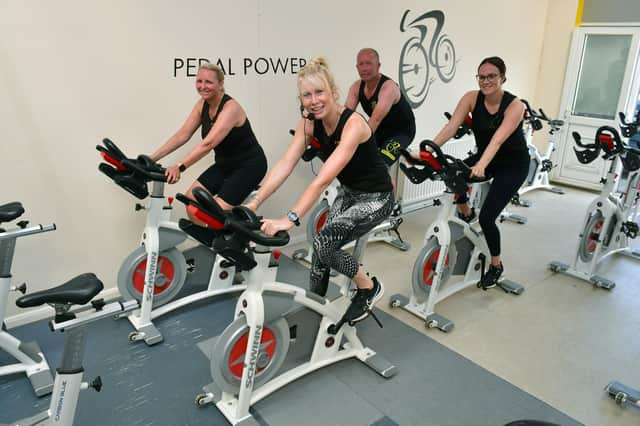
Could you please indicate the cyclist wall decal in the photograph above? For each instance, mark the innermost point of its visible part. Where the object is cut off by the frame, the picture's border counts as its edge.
(415, 63)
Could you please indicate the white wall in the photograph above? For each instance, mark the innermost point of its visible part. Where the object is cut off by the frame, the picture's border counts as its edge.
(559, 28)
(74, 72)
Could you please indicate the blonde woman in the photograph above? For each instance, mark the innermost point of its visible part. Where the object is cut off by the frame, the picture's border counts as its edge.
(349, 151)
(240, 163)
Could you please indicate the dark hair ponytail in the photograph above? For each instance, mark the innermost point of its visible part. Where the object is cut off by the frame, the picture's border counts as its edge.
(495, 61)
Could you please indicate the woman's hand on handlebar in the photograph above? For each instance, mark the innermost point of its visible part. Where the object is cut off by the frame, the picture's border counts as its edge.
(271, 226)
(478, 170)
(173, 174)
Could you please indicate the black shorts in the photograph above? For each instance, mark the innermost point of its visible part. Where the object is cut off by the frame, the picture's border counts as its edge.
(234, 181)
(389, 147)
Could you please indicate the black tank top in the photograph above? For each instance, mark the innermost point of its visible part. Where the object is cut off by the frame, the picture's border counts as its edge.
(399, 119)
(366, 170)
(240, 143)
(484, 125)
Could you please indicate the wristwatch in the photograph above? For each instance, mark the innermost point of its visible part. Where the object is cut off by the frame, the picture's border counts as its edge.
(182, 167)
(293, 217)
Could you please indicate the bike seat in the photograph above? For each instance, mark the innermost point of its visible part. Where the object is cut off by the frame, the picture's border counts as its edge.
(11, 211)
(77, 291)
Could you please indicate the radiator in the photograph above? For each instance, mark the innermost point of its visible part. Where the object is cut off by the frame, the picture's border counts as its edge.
(417, 196)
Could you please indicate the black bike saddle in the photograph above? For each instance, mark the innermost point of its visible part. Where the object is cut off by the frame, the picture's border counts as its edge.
(11, 211)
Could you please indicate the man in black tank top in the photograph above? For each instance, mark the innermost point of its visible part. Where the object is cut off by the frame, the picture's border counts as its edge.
(390, 115)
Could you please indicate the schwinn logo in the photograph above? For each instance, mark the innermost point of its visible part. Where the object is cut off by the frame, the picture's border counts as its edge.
(255, 352)
(416, 63)
(153, 269)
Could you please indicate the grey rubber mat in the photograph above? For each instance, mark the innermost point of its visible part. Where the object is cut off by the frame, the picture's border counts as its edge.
(156, 385)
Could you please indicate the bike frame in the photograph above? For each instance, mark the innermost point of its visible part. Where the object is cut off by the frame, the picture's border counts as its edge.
(616, 205)
(160, 233)
(343, 345)
(30, 357)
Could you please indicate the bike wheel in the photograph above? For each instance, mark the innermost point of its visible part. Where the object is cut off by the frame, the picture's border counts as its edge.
(414, 72)
(445, 59)
(170, 276)
(591, 236)
(317, 219)
(424, 269)
(227, 356)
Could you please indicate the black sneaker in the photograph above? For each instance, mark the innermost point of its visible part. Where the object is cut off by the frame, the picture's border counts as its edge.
(491, 277)
(363, 301)
(469, 218)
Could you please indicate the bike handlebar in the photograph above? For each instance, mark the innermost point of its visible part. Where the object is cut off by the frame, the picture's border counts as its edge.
(465, 127)
(607, 139)
(146, 167)
(535, 117)
(240, 219)
(130, 174)
(439, 166)
(629, 128)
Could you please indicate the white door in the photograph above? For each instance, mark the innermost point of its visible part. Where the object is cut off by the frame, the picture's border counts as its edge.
(598, 85)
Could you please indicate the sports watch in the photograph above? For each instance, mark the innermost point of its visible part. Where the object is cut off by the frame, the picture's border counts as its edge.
(293, 217)
(182, 167)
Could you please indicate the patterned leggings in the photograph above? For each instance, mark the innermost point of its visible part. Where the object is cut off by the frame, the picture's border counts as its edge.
(353, 214)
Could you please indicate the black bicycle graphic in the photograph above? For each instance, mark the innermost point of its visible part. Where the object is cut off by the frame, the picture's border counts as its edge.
(415, 62)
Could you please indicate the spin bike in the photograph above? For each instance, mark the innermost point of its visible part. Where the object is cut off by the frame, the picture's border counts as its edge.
(611, 219)
(271, 323)
(541, 164)
(31, 360)
(68, 382)
(157, 271)
(452, 246)
(620, 392)
(386, 232)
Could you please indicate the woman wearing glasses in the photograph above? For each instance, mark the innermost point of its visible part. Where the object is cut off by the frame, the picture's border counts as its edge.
(501, 151)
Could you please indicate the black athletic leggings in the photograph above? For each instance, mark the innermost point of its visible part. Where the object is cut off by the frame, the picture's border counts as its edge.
(507, 179)
(352, 214)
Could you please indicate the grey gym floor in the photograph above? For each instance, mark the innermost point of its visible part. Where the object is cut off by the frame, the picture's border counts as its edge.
(508, 357)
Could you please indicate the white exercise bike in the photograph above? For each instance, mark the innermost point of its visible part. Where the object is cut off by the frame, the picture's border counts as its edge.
(611, 219)
(540, 164)
(68, 382)
(455, 254)
(31, 360)
(273, 321)
(156, 272)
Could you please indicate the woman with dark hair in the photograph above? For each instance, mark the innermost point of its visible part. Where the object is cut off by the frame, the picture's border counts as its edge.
(501, 151)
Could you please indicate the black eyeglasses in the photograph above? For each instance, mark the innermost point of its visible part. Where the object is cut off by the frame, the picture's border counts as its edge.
(490, 78)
